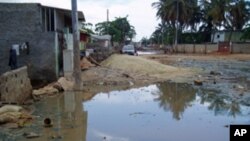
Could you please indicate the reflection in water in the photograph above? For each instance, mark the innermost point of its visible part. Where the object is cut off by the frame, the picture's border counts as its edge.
(139, 114)
(175, 97)
(68, 117)
(221, 104)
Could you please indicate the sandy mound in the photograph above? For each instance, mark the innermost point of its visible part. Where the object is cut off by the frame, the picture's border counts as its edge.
(137, 64)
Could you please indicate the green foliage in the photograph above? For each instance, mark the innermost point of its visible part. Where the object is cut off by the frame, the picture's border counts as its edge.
(119, 29)
(145, 41)
(163, 34)
(207, 15)
(168, 9)
(191, 38)
(246, 33)
(88, 27)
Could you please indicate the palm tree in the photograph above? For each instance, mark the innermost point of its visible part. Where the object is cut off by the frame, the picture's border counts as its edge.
(238, 15)
(175, 97)
(167, 11)
(213, 18)
(217, 10)
(176, 13)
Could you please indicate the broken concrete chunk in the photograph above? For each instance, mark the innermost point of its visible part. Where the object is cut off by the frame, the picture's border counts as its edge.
(31, 135)
(66, 84)
(239, 87)
(85, 64)
(45, 90)
(58, 86)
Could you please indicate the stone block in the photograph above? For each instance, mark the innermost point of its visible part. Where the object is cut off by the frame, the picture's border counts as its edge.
(15, 86)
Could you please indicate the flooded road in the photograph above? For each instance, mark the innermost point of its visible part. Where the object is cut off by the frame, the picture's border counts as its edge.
(158, 112)
(164, 111)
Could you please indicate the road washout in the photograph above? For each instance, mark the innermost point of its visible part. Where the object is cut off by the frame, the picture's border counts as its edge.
(124, 71)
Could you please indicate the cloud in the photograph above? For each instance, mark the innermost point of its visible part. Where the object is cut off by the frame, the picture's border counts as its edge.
(140, 12)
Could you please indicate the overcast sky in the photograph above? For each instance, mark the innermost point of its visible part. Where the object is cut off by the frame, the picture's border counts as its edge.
(140, 12)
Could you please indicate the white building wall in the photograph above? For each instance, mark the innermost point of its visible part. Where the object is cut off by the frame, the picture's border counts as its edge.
(218, 37)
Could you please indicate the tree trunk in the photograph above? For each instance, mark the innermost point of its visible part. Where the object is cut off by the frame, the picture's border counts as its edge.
(76, 50)
(230, 36)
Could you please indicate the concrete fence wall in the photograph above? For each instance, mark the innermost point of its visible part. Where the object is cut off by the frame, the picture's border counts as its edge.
(15, 86)
(240, 48)
(210, 48)
(197, 48)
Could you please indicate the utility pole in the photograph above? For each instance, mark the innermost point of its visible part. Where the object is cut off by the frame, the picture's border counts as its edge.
(107, 21)
(107, 15)
(177, 22)
(76, 50)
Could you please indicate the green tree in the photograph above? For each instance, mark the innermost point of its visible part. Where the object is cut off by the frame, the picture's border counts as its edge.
(119, 29)
(145, 41)
(228, 14)
(88, 27)
(177, 14)
(167, 11)
(238, 15)
(163, 34)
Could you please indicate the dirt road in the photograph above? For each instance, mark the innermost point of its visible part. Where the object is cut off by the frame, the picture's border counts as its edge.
(226, 73)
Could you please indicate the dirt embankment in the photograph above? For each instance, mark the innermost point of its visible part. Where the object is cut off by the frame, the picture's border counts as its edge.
(123, 71)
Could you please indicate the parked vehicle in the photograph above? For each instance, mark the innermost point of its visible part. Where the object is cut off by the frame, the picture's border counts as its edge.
(129, 49)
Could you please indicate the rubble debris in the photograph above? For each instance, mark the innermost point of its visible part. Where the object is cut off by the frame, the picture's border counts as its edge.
(85, 64)
(9, 117)
(66, 85)
(215, 73)
(61, 85)
(56, 137)
(14, 114)
(126, 75)
(198, 82)
(10, 108)
(45, 90)
(58, 86)
(239, 88)
(93, 61)
(31, 135)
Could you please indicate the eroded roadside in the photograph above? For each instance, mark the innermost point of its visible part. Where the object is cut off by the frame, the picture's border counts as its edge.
(227, 77)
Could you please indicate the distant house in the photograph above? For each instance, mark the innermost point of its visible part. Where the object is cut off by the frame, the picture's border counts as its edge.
(102, 40)
(222, 36)
(47, 31)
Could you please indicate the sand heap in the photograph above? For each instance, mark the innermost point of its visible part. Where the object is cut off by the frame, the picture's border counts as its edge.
(137, 64)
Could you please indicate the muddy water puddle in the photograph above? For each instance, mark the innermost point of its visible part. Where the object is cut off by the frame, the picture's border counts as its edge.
(160, 112)
(166, 111)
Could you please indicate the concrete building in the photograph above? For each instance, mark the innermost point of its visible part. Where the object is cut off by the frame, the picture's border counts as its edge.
(46, 32)
(102, 40)
(222, 36)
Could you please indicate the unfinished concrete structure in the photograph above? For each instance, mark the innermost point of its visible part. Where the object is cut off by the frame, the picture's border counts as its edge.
(15, 86)
(46, 31)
